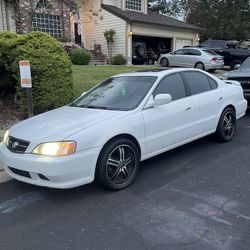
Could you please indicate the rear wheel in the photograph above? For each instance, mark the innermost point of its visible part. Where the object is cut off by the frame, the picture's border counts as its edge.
(118, 164)
(164, 62)
(199, 65)
(227, 125)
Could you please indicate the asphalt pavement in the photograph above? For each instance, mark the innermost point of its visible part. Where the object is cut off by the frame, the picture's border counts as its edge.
(193, 197)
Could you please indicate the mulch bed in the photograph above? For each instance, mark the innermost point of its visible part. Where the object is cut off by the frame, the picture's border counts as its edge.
(10, 114)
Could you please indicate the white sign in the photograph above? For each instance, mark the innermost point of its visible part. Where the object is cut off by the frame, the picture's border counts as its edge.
(25, 74)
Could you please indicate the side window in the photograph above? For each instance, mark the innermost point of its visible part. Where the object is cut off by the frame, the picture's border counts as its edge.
(172, 85)
(194, 52)
(212, 82)
(198, 82)
(179, 52)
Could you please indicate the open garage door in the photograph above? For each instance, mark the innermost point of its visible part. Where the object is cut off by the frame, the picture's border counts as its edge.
(146, 50)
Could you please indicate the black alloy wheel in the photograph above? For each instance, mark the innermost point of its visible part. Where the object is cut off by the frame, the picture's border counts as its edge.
(118, 164)
(227, 125)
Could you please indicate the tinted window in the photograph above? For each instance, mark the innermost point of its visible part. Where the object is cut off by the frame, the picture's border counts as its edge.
(118, 93)
(198, 82)
(217, 44)
(179, 52)
(194, 52)
(172, 85)
(206, 44)
(212, 82)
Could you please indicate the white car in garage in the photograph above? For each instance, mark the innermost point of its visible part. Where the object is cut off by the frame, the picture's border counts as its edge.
(192, 57)
(109, 130)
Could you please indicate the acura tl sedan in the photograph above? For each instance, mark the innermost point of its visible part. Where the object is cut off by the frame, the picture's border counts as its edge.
(192, 57)
(108, 131)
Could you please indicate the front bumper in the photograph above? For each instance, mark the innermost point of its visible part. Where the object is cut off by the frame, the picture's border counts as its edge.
(59, 172)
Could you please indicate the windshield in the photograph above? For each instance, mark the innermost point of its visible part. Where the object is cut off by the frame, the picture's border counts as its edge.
(118, 93)
(246, 64)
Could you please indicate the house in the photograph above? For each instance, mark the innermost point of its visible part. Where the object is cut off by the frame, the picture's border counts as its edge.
(137, 28)
(50, 16)
(7, 13)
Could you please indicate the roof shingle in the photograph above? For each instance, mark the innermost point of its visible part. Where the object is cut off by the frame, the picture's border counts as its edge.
(150, 18)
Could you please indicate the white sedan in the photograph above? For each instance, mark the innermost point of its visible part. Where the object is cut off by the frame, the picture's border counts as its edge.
(192, 57)
(131, 117)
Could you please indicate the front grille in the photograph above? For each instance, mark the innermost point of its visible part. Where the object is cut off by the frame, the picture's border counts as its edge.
(244, 81)
(17, 145)
(20, 172)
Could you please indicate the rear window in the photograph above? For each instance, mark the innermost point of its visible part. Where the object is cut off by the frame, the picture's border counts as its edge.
(210, 52)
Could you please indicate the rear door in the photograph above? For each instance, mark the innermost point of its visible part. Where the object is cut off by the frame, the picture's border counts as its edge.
(206, 100)
(191, 57)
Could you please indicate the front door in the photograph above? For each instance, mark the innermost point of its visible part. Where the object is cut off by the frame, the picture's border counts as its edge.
(170, 124)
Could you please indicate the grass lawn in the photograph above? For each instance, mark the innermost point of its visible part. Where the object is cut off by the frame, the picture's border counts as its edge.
(85, 77)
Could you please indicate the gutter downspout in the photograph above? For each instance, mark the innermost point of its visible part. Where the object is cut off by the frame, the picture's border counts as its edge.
(7, 16)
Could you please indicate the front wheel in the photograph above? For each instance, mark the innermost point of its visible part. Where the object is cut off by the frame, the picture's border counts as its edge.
(118, 164)
(164, 62)
(227, 125)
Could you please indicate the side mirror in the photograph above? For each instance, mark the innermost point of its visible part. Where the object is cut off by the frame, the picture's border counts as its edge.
(162, 99)
(237, 66)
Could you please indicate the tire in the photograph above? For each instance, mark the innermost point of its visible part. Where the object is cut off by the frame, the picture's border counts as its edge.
(199, 65)
(141, 50)
(164, 62)
(118, 164)
(233, 63)
(226, 127)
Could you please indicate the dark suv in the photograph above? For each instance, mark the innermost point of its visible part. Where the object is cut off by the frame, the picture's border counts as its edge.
(229, 50)
(242, 74)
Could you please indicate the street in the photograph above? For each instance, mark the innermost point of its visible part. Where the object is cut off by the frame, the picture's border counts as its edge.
(193, 197)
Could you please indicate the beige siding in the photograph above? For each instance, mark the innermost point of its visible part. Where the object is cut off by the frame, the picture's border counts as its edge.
(2, 16)
(94, 27)
(117, 3)
(4, 23)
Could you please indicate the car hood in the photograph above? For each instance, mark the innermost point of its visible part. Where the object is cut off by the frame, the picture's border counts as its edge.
(238, 73)
(60, 123)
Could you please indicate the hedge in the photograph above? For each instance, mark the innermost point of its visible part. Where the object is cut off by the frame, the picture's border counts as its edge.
(50, 68)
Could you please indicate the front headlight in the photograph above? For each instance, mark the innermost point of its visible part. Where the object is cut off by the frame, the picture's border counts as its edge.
(6, 136)
(55, 148)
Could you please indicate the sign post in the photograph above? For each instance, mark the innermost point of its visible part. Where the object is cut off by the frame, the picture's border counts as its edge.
(26, 82)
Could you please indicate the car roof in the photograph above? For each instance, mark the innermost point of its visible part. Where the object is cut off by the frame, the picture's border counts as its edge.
(157, 72)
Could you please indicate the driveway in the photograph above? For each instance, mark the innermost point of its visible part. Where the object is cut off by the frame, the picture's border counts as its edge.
(193, 197)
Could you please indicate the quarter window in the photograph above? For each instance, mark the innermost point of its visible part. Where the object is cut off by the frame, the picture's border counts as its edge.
(198, 82)
(172, 85)
(133, 5)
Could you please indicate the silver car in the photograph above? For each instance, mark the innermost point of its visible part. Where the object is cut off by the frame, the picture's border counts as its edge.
(192, 58)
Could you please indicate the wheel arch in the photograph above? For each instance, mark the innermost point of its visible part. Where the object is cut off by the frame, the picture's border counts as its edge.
(126, 136)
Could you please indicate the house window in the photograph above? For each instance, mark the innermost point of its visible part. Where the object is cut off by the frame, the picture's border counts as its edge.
(133, 5)
(50, 24)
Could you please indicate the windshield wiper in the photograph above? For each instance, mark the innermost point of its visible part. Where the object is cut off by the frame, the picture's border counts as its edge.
(93, 107)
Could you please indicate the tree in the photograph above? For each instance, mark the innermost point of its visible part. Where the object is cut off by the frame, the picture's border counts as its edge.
(109, 36)
(222, 19)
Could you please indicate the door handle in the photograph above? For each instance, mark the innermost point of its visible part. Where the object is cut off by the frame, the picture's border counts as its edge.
(221, 98)
(188, 108)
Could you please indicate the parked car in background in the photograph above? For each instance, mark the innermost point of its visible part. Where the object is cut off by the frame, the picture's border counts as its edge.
(192, 57)
(242, 74)
(230, 50)
(128, 118)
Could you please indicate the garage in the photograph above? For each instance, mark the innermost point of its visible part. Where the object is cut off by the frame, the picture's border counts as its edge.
(146, 49)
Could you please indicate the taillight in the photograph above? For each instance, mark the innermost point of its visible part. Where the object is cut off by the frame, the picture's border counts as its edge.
(213, 60)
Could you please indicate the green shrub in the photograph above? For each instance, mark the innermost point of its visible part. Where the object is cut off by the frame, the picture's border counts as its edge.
(50, 68)
(118, 59)
(80, 57)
